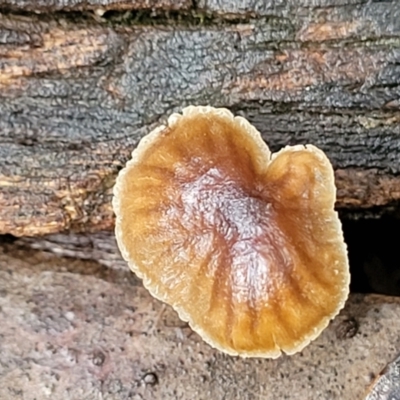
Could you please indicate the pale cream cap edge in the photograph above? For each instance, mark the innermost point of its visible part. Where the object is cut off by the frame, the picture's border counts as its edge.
(147, 141)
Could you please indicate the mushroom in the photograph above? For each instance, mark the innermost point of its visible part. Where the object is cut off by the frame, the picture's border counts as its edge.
(244, 244)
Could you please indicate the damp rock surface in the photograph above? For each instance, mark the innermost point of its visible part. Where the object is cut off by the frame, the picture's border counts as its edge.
(75, 329)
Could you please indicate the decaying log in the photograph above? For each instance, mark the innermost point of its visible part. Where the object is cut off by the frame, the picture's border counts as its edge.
(99, 6)
(78, 94)
(100, 247)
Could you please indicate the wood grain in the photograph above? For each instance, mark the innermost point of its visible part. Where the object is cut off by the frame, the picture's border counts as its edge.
(78, 94)
(99, 6)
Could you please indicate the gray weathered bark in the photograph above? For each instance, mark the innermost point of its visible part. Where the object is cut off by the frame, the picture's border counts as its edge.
(78, 93)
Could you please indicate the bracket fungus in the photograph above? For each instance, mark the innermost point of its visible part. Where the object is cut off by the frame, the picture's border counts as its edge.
(244, 244)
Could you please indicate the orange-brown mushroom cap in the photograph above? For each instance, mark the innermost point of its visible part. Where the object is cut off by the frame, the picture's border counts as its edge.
(244, 244)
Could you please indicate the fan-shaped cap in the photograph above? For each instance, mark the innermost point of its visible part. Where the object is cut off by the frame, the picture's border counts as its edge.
(244, 244)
